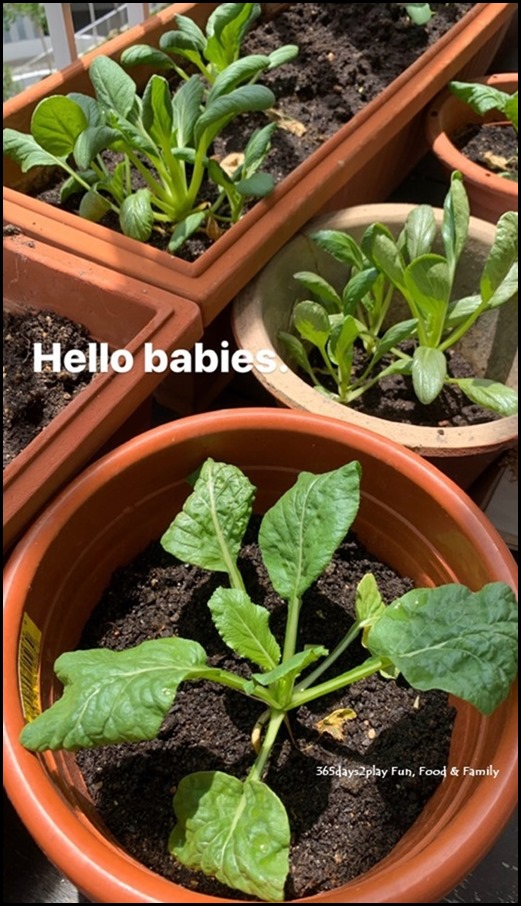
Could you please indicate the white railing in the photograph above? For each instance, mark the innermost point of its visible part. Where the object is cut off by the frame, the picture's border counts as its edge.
(66, 45)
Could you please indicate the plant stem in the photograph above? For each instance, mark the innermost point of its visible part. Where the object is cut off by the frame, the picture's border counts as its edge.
(290, 639)
(372, 665)
(331, 658)
(276, 718)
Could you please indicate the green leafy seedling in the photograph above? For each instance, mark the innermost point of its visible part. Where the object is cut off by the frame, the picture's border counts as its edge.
(165, 139)
(337, 323)
(484, 98)
(237, 830)
(213, 51)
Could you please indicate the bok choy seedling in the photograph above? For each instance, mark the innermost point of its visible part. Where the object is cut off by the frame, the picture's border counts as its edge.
(165, 140)
(237, 830)
(359, 316)
(213, 50)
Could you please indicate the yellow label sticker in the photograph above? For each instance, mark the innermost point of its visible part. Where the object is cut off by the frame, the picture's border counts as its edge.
(28, 661)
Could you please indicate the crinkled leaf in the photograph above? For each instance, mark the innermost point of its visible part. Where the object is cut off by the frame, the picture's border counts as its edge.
(341, 246)
(185, 229)
(56, 124)
(93, 207)
(236, 73)
(489, 394)
(91, 142)
(300, 533)
(157, 110)
(429, 370)
(114, 88)
(25, 151)
(114, 696)
(143, 55)
(136, 215)
(312, 322)
(256, 186)
(291, 668)
(455, 224)
(420, 230)
(320, 288)
(246, 99)
(236, 832)
(208, 532)
(186, 108)
(244, 626)
(283, 55)
(453, 639)
(502, 256)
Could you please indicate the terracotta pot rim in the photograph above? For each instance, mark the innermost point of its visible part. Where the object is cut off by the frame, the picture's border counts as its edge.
(22, 769)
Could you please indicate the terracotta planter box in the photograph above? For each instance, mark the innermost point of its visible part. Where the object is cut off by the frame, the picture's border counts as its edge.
(364, 161)
(411, 516)
(489, 194)
(264, 307)
(118, 310)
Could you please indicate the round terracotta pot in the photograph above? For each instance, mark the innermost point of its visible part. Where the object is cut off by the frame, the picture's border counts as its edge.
(411, 516)
(264, 308)
(489, 194)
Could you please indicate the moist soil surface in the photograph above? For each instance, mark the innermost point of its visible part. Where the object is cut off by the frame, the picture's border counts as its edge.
(31, 400)
(349, 52)
(393, 398)
(491, 146)
(341, 824)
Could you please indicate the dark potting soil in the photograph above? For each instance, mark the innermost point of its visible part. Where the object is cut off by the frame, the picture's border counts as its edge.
(491, 146)
(30, 399)
(341, 824)
(393, 398)
(349, 52)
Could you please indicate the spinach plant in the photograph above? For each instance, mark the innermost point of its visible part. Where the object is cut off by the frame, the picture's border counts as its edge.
(336, 324)
(213, 50)
(165, 139)
(448, 638)
(484, 98)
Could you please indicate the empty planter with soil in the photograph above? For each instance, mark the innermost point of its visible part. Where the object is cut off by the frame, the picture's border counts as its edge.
(114, 310)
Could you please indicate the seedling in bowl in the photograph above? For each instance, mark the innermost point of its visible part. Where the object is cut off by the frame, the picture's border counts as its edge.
(238, 831)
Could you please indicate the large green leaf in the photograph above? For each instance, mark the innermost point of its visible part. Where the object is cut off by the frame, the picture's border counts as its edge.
(453, 639)
(114, 696)
(300, 533)
(143, 55)
(385, 255)
(90, 107)
(258, 185)
(243, 70)
(420, 230)
(186, 107)
(455, 224)
(25, 151)
(56, 124)
(157, 110)
(341, 246)
(136, 215)
(246, 99)
(208, 532)
(428, 282)
(236, 832)
(312, 322)
(320, 288)
(244, 626)
(114, 88)
(483, 98)
(91, 142)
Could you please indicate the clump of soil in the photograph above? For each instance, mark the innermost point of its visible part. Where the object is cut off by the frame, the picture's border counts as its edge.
(342, 823)
(32, 399)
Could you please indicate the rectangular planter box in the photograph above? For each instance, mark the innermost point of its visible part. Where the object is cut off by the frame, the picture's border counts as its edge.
(363, 162)
(119, 310)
